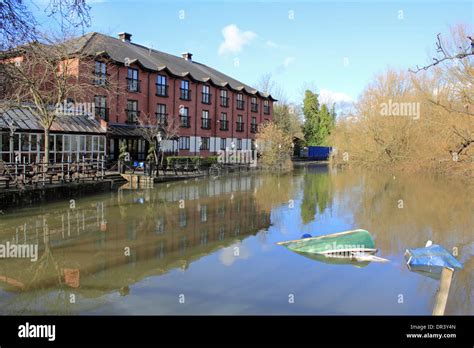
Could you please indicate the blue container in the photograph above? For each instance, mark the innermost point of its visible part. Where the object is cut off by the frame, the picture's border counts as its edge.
(319, 153)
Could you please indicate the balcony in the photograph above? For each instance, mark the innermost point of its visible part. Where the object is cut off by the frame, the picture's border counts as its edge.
(133, 85)
(102, 112)
(205, 123)
(185, 121)
(161, 119)
(254, 107)
(225, 102)
(224, 125)
(240, 127)
(185, 94)
(161, 90)
(240, 104)
(206, 98)
(253, 128)
(132, 116)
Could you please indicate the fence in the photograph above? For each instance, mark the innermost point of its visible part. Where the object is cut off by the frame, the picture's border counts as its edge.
(22, 175)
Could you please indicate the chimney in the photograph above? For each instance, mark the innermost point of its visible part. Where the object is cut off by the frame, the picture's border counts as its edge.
(125, 37)
(188, 56)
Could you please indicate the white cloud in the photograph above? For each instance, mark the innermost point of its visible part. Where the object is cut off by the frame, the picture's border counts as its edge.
(344, 102)
(228, 257)
(288, 61)
(271, 44)
(329, 97)
(235, 39)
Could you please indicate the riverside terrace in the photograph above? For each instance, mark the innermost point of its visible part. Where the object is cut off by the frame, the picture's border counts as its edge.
(77, 148)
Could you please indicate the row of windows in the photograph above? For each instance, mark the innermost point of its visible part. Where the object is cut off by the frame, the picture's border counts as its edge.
(30, 146)
(162, 115)
(185, 142)
(133, 85)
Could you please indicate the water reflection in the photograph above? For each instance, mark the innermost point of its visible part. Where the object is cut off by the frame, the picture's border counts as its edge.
(401, 211)
(219, 236)
(105, 246)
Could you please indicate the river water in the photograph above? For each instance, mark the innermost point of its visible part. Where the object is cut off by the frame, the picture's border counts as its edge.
(208, 246)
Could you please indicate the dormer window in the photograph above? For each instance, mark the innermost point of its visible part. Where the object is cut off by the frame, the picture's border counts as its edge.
(185, 92)
(161, 86)
(100, 73)
(224, 98)
(254, 104)
(240, 101)
(133, 84)
(266, 107)
(206, 94)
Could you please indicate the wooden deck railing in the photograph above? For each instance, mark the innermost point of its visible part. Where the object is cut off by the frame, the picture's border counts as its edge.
(21, 175)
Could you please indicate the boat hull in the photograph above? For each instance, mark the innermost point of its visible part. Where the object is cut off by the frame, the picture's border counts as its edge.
(349, 242)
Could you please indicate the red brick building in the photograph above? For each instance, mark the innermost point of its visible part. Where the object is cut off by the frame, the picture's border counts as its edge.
(214, 111)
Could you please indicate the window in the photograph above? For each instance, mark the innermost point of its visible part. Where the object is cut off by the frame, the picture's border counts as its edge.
(253, 128)
(184, 117)
(205, 143)
(240, 123)
(240, 101)
(206, 94)
(223, 143)
(266, 107)
(132, 111)
(182, 218)
(184, 143)
(224, 98)
(100, 103)
(254, 104)
(239, 144)
(161, 114)
(133, 84)
(100, 73)
(203, 213)
(206, 121)
(224, 123)
(162, 86)
(160, 226)
(185, 92)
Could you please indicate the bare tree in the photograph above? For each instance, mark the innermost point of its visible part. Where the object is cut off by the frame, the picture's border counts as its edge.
(267, 84)
(18, 24)
(445, 55)
(154, 131)
(42, 77)
(170, 132)
(150, 129)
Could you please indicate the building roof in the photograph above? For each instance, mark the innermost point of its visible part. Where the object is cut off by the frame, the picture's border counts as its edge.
(123, 130)
(99, 44)
(24, 119)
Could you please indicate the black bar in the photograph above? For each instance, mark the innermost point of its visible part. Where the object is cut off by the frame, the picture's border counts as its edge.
(223, 330)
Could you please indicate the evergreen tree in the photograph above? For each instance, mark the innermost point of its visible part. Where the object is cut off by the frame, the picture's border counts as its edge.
(311, 112)
(318, 120)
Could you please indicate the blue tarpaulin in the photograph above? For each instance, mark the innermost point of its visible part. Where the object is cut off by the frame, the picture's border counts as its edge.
(431, 260)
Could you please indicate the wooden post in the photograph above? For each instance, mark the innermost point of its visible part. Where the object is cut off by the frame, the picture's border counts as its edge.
(443, 292)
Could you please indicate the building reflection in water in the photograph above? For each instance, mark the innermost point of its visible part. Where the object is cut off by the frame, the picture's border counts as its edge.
(108, 245)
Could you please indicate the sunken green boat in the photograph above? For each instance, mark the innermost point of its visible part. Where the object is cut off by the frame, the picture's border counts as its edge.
(349, 242)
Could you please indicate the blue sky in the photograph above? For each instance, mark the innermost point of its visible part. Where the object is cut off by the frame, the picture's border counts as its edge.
(335, 46)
